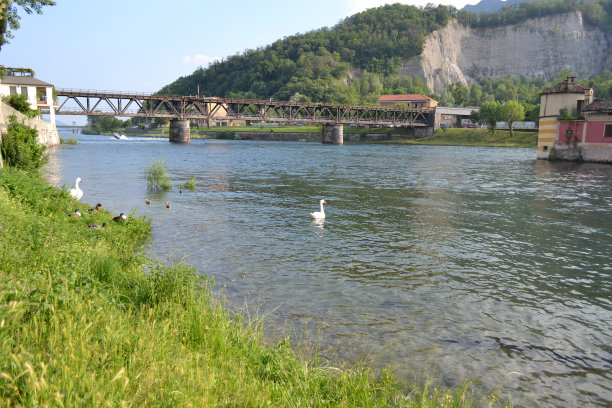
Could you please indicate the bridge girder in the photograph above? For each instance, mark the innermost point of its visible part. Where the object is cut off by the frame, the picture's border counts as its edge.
(207, 108)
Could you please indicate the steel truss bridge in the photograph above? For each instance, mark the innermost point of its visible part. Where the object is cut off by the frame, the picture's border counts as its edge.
(108, 103)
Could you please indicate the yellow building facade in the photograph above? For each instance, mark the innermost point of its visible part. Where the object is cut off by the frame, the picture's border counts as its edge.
(566, 97)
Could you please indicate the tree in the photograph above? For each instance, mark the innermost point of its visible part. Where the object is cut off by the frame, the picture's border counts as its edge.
(511, 112)
(490, 114)
(161, 121)
(9, 19)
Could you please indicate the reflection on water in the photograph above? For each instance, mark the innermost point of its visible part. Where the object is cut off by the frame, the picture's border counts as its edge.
(478, 263)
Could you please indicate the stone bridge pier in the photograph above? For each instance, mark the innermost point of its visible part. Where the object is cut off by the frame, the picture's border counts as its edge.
(332, 134)
(180, 131)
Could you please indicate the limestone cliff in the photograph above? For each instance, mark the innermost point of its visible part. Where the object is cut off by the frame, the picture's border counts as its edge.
(544, 46)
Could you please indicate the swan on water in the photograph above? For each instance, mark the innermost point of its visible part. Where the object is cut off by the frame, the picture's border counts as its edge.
(319, 215)
(76, 192)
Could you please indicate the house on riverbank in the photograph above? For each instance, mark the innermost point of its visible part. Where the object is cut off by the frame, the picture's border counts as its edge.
(573, 125)
(40, 96)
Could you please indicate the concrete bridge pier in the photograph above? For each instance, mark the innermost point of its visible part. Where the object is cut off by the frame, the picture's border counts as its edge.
(333, 134)
(180, 131)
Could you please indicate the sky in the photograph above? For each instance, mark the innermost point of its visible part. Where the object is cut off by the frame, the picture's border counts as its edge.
(142, 45)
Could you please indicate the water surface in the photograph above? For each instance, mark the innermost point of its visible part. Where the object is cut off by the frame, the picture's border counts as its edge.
(465, 262)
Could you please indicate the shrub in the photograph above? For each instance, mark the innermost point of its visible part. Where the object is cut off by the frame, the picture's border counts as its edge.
(157, 175)
(190, 184)
(20, 147)
(20, 103)
(71, 141)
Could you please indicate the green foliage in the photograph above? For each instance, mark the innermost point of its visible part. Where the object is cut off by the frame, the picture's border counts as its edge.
(511, 112)
(161, 121)
(157, 175)
(104, 124)
(20, 147)
(9, 18)
(490, 113)
(71, 141)
(190, 184)
(20, 103)
(88, 320)
(316, 66)
(595, 12)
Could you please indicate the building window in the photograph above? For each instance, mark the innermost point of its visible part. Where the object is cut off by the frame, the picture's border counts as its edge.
(24, 91)
(13, 90)
(608, 131)
(41, 95)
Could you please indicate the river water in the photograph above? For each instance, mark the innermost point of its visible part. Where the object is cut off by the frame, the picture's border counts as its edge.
(450, 262)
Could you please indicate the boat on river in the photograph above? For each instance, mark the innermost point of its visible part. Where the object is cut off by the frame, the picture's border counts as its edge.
(120, 135)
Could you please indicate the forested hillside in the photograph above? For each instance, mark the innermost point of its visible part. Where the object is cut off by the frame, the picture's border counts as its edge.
(359, 59)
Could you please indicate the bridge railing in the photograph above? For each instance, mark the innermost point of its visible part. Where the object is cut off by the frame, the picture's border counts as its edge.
(98, 91)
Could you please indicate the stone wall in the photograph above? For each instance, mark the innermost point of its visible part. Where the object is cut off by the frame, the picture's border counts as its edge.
(592, 153)
(543, 46)
(47, 132)
(316, 137)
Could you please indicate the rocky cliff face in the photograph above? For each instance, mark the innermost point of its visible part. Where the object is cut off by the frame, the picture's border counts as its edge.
(544, 46)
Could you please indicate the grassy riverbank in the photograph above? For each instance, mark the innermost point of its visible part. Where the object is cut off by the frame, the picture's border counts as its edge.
(83, 323)
(477, 137)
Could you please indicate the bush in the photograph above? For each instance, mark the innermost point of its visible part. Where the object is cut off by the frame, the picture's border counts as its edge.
(71, 141)
(20, 103)
(157, 175)
(190, 184)
(20, 147)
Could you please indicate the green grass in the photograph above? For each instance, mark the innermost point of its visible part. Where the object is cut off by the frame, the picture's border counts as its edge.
(477, 137)
(88, 319)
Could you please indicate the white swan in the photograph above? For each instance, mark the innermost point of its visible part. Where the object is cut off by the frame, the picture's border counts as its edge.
(319, 215)
(76, 192)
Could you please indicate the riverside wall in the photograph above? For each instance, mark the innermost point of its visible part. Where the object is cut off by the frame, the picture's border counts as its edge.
(310, 136)
(47, 132)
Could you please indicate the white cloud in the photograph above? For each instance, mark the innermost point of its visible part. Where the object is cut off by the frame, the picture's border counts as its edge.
(200, 60)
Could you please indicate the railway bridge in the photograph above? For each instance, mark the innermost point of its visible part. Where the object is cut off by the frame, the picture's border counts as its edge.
(181, 109)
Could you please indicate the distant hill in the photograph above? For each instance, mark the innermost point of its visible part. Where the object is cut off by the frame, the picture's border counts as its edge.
(491, 6)
(401, 49)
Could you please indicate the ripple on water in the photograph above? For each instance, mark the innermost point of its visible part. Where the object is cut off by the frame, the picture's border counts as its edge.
(478, 263)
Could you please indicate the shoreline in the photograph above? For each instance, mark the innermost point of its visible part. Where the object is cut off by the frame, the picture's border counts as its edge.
(91, 319)
(442, 137)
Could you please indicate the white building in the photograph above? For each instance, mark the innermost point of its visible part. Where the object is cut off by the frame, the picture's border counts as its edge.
(38, 93)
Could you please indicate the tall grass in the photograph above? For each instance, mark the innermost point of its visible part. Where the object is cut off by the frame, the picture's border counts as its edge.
(87, 319)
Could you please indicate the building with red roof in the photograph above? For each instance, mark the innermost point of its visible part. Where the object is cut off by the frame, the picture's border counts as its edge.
(573, 125)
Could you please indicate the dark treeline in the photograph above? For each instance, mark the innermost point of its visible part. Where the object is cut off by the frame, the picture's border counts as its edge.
(359, 59)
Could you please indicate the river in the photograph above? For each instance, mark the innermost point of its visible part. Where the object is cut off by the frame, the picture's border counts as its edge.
(449, 262)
